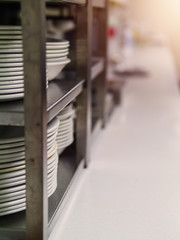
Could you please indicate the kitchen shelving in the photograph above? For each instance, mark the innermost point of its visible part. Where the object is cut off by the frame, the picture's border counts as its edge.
(40, 106)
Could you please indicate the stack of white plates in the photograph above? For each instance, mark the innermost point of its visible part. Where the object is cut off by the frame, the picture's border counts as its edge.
(56, 52)
(11, 61)
(12, 167)
(65, 135)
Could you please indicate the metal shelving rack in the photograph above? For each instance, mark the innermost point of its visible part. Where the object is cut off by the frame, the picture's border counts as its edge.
(99, 64)
(40, 106)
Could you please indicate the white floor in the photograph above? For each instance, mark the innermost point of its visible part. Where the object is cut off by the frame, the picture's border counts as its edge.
(131, 190)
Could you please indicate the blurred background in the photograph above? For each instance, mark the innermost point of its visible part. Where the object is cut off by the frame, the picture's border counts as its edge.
(146, 21)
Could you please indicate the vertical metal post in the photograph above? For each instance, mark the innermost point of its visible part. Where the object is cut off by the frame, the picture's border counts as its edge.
(33, 22)
(103, 18)
(84, 46)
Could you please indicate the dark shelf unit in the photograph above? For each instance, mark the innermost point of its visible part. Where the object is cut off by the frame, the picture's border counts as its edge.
(40, 106)
(99, 64)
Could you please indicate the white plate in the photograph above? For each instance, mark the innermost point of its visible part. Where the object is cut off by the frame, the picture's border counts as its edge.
(52, 125)
(12, 203)
(50, 145)
(51, 42)
(11, 56)
(56, 47)
(11, 37)
(12, 164)
(11, 184)
(56, 56)
(10, 32)
(66, 123)
(60, 150)
(52, 151)
(50, 139)
(12, 169)
(52, 166)
(11, 46)
(11, 208)
(11, 155)
(66, 115)
(12, 159)
(10, 27)
(12, 211)
(7, 84)
(11, 190)
(55, 67)
(12, 174)
(12, 196)
(65, 126)
(67, 135)
(56, 51)
(14, 179)
(9, 97)
(65, 140)
(10, 69)
(11, 50)
(11, 86)
(11, 64)
(65, 130)
(12, 150)
(12, 78)
(11, 90)
(12, 145)
(11, 60)
(52, 158)
(13, 74)
(64, 145)
(67, 109)
(10, 41)
(52, 190)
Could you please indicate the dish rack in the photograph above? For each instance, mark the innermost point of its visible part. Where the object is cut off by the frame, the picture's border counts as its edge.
(42, 104)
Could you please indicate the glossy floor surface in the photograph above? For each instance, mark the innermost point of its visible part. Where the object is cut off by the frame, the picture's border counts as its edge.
(131, 190)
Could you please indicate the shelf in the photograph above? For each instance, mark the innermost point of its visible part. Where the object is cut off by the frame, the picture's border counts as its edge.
(68, 173)
(59, 94)
(99, 3)
(13, 226)
(97, 67)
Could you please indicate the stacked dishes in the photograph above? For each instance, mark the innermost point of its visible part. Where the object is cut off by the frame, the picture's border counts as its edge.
(12, 167)
(65, 135)
(56, 52)
(11, 61)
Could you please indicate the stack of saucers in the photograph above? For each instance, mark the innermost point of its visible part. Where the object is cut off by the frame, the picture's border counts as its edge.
(65, 135)
(12, 167)
(56, 53)
(11, 61)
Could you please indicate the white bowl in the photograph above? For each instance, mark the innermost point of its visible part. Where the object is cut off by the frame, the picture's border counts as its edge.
(55, 67)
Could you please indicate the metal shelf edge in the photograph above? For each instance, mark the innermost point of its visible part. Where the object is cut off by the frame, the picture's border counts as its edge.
(13, 113)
